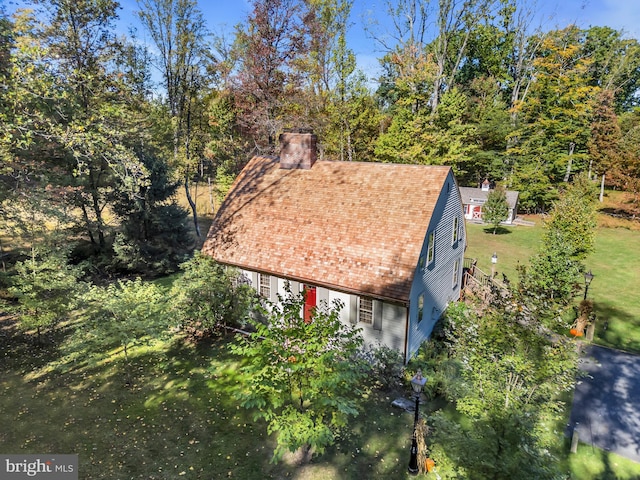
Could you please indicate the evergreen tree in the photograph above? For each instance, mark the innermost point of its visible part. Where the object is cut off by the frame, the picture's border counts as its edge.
(552, 280)
(47, 288)
(154, 237)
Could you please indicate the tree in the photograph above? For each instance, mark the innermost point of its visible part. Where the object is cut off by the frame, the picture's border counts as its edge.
(551, 281)
(71, 117)
(127, 312)
(154, 238)
(496, 209)
(444, 138)
(46, 288)
(555, 120)
(302, 378)
(267, 81)
(627, 172)
(178, 30)
(92, 126)
(507, 378)
(455, 23)
(353, 125)
(208, 296)
(573, 222)
(615, 67)
(605, 144)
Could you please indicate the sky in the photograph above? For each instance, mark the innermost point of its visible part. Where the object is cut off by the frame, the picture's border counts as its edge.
(223, 15)
(618, 14)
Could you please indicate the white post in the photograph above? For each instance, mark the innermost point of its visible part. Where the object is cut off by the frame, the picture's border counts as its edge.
(602, 189)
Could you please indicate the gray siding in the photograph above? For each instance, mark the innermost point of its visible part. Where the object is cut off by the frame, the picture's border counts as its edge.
(435, 280)
(389, 320)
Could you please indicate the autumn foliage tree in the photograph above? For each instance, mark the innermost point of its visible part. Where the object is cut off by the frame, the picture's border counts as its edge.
(268, 81)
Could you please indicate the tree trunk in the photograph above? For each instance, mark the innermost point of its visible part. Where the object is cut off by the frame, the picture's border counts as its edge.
(192, 204)
(567, 174)
(212, 205)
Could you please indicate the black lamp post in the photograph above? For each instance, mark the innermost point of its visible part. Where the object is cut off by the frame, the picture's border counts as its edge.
(417, 383)
(588, 277)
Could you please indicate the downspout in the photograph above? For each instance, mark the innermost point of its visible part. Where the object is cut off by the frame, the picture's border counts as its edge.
(406, 336)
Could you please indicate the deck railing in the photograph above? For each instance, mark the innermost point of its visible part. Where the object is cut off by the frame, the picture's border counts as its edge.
(474, 277)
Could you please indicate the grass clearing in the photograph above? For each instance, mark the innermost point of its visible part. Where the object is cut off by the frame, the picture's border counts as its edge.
(615, 264)
(178, 417)
(590, 463)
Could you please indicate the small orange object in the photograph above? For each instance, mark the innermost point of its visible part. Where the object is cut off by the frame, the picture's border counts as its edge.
(575, 332)
(292, 359)
(429, 464)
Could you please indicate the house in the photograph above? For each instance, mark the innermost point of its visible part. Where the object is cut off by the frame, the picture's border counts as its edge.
(385, 239)
(474, 198)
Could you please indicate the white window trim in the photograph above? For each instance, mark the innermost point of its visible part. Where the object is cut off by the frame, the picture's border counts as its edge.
(455, 234)
(370, 312)
(456, 269)
(267, 287)
(431, 247)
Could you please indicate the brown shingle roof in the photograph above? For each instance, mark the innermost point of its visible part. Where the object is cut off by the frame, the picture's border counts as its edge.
(356, 227)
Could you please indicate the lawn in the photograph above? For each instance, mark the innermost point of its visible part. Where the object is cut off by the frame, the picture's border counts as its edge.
(615, 264)
(177, 418)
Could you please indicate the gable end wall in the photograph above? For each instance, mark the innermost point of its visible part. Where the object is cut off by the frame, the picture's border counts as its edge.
(435, 280)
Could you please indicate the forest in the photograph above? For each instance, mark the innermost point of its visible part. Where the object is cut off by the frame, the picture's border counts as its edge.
(99, 129)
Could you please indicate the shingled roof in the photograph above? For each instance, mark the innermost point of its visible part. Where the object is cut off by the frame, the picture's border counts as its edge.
(351, 226)
(472, 195)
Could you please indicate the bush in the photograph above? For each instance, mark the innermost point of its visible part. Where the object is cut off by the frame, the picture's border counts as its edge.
(208, 296)
(387, 366)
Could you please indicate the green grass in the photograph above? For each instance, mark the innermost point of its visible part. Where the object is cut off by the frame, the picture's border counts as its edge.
(590, 463)
(178, 418)
(512, 245)
(615, 264)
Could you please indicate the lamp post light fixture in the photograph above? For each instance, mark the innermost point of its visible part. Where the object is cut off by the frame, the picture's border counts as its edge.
(588, 277)
(494, 260)
(417, 384)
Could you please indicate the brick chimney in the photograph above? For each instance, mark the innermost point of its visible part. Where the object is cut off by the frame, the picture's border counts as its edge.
(297, 150)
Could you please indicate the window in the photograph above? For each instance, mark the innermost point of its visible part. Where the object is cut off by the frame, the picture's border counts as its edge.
(431, 243)
(365, 310)
(456, 268)
(264, 285)
(420, 307)
(454, 237)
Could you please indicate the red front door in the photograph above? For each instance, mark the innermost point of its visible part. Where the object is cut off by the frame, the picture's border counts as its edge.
(309, 302)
